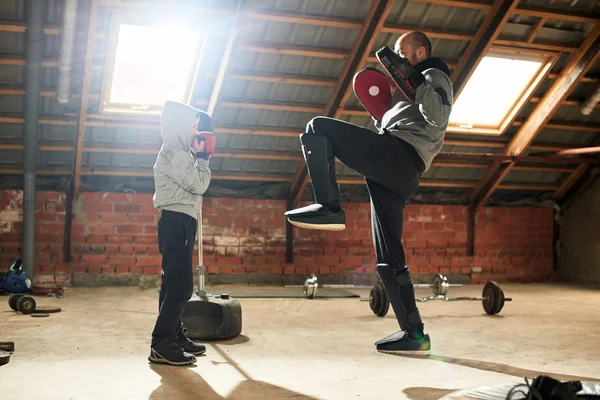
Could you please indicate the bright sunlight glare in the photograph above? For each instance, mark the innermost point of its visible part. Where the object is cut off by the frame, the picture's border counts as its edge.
(492, 90)
(152, 64)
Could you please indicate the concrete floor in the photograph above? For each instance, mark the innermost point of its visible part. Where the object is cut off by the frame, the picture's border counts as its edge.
(96, 348)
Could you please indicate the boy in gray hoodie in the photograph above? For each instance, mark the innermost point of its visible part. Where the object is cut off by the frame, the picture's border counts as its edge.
(411, 134)
(181, 177)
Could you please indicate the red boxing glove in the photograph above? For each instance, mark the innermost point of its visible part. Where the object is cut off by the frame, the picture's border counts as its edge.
(210, 141)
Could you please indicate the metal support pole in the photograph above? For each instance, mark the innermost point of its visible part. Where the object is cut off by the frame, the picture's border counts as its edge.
(35, 52)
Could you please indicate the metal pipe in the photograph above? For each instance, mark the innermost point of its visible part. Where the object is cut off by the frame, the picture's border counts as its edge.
(589, 104)
(35, 53)
(65, 61)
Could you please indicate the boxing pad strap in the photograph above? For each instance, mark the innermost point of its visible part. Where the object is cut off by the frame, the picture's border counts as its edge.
(210, 141)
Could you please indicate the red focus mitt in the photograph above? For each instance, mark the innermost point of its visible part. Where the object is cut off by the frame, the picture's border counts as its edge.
(373, 90)
(210, 141)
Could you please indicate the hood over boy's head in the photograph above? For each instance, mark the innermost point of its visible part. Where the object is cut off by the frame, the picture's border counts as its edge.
(179, 122)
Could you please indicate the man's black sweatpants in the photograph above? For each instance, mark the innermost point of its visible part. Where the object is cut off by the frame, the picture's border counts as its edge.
(392, 170)
(176, 237)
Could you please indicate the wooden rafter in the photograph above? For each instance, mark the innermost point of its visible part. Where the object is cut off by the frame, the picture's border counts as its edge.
(568, 183)
(445, 160)
(486, 34)
(135, 122)
(557, 15)
(83, 103)
(569, 77)
(343, 180)
(536, 29)
(215, 95)
(398, 29)
(363, 44)
(17, 90)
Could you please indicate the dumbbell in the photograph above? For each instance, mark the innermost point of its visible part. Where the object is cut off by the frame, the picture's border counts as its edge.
(27, 305)
(22, 303)
(492, 298)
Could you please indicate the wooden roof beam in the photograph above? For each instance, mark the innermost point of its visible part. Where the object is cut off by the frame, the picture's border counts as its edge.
(84, 97)
(247, 177)
(575, 69)
(557, 15)
(373, 23)
(446, 160)
(145, 122)
(215, 95)
(294, 50)
(566, 186)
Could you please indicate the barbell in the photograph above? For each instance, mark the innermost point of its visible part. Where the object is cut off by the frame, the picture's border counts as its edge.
(439, 286)
(492, 298)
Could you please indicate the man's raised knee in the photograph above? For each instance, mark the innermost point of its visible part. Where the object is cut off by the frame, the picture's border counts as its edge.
(315, 125)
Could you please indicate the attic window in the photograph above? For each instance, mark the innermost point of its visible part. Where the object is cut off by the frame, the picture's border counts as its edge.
(149, 65)
(497, 90)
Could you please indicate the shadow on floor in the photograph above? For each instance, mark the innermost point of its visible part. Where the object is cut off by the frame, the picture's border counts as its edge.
(429, 393)
(230, 342)
(503, 368)
(179, 383)
(426, 393)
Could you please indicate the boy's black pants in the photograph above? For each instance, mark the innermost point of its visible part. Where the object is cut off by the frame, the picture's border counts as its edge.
(176, 237)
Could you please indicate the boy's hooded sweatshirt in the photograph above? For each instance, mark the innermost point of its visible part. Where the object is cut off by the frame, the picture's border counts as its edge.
(179, 180)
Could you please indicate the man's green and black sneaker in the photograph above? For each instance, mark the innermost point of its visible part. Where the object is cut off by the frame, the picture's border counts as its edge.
(403, 343)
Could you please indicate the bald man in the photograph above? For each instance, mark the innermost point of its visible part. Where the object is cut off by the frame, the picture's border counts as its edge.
(410, 135)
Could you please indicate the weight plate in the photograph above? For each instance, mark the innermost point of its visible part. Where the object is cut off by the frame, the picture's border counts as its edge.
(51, 310)
(40, 315)
(7, 346)
(12, 300)
(310, 286)
(493, 298)
(4, 357)
(379, 302)
(500, 299)
(26, 305)
(374, 299)
(439, 285)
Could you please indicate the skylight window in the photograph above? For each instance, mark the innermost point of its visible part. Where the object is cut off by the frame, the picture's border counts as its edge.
(496, 91)
(149, 65)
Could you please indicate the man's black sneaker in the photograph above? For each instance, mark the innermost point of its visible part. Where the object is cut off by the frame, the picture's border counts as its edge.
(189, 346)
(171, 354)
(317, 216)
(401, 342)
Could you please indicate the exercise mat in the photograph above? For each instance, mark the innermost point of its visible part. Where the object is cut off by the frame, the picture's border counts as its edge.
(283, 292)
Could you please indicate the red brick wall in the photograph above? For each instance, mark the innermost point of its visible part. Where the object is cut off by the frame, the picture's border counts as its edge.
(115, 234)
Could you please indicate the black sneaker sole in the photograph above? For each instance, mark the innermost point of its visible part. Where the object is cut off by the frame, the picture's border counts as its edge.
(196, 353)
(162, 360)
(420, 353)
(321, 227)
